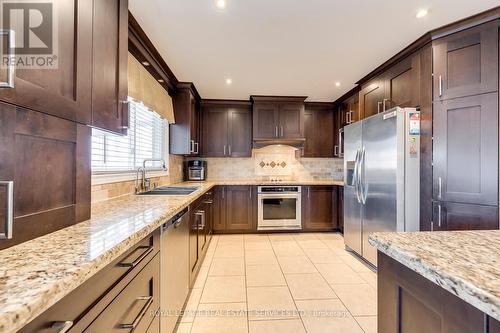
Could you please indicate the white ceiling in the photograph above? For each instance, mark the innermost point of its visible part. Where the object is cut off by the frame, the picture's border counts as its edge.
(287, 47)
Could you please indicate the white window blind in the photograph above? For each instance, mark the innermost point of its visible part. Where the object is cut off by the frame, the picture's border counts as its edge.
(146, 138)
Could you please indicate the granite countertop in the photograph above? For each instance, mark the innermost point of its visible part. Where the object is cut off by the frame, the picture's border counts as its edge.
(465, 263)
(260, 181)
(36, 274)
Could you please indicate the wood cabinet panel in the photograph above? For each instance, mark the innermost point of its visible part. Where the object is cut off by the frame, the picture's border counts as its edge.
(48, 158)
(226, 130)
(184, 133)
(240, 203)
(240, 133)
(291, 120)
(265, 120)
(319, 208)
(455, 216)
(466, 63)
(109, 70)
(88, 300)
(371, 98)
(340, 208)
(466, 150)
(215, 132)
(408, 302)
(319, 132)
(219, 223)
(64, 91)
(402, 83)
(136, 301)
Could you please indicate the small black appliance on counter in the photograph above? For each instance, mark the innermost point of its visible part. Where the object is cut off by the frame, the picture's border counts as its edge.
(196, 170)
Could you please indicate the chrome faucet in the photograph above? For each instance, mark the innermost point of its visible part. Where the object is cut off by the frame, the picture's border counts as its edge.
(145, 184)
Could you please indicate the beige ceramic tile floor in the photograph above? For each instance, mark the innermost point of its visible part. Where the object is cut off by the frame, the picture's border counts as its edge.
(287, 283)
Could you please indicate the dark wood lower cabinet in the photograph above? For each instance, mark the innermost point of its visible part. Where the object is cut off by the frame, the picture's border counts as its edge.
(455, 216)
(235, 209)
(115, 295)
(48, 159)
(240, 203)
(409, 303)
(319, 208)
(340, 209)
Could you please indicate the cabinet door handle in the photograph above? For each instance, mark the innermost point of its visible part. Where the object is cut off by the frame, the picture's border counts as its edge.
(384, 102)
(308, 188)
(149, 301)
(223, 192)
(379, 104)
(439, 215)
(61, 326)
(191, 150)
(224, 150)
(125, 114)
(10, 68)
(440, 188)
(147, 251)
(9, 210)
(201, 214)
(276, 132)
(282, 131)
(440, 85)
(197, 145)
(335, 150)
(229, 150)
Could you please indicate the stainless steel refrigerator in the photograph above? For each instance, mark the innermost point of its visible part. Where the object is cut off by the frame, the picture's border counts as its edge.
(382, 177)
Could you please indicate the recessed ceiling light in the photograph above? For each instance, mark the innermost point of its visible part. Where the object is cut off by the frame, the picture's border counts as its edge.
(421, 13)
(337, 84)
(229, 81)
(221, 4)
(145, 63)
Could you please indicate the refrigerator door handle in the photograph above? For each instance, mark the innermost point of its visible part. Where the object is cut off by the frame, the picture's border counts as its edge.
(362, 181)
(355, 179)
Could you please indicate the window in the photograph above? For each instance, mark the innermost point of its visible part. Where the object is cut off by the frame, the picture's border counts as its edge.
(146, 138)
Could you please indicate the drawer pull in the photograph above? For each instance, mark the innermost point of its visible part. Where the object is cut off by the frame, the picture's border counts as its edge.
(147, 251)
(62, 326)
(149, 301)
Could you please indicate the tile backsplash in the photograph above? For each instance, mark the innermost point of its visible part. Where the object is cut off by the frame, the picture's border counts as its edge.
(274, 161)
(112, 190)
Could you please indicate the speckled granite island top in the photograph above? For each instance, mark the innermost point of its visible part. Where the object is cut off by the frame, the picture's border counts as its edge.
(465, 263)
(36, 274)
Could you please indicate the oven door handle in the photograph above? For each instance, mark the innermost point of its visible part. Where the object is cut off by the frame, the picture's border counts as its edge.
(279, 195)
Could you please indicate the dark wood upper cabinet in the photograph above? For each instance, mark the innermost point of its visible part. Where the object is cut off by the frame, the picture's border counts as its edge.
(64, 91)
(214, 132)
(48, 159)
(240, 132)
(109, 70)
(371, 97)
(319, 208)
(465, 153)
(265, 121)
(184, 134)
(466, 63)
(240, 205)
(291, 120)
(402, 83)
(456, 216)
(226, 129)
(278, 119)
(319, 130)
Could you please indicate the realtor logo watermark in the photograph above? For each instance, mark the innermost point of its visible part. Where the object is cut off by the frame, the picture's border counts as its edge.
(33, 24)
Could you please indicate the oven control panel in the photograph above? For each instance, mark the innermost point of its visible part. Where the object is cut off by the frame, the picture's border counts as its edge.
(279, 189)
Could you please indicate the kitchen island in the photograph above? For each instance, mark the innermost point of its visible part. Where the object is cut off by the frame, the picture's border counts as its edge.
(36, 276)
(438, 281)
